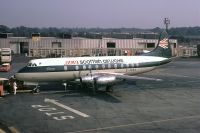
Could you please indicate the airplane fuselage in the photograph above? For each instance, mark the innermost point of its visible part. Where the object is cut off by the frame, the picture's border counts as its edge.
(70, 68)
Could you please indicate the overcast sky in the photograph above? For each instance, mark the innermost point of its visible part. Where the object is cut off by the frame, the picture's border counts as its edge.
(99, 13)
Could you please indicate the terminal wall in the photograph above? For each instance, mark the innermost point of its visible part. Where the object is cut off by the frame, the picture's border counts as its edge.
(56, 47)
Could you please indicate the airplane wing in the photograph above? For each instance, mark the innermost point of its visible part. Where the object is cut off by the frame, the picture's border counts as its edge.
(124, 76)
(136, 78)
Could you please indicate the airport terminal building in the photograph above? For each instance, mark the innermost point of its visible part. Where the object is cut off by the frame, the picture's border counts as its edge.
(37, 46)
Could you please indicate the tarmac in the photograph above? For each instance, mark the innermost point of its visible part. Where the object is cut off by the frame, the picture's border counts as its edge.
(169, 106)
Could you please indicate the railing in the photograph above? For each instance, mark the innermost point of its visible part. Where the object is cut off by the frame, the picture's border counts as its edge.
(81, 52)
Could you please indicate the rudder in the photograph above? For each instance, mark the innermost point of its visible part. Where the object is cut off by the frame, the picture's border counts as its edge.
(163, 48)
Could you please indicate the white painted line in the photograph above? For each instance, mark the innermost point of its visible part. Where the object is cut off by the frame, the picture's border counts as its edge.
(18, 91)
(66, 107)
(137, 124)
(49, 114)
(13, 130)
(1, 131)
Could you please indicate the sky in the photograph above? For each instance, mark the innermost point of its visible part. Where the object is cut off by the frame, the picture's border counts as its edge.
(99, 13)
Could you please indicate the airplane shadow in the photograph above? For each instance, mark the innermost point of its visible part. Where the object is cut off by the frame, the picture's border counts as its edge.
(100, 94)
(76, 91)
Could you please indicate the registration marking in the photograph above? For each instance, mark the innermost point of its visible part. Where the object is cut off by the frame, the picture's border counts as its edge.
(47, 109)
(66, 107)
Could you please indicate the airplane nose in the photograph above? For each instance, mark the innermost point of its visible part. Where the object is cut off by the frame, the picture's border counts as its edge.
(17, 76)
(20, 74)
(24, 70)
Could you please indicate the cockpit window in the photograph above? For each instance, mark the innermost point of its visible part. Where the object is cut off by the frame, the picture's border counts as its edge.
(31, 65)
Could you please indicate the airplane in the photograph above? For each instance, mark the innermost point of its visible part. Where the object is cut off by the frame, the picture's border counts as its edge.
(95, 71)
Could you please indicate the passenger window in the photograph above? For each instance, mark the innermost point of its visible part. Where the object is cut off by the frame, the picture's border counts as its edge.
(122, 65)
(103, 66)
(90, 67)
(96, 66)
(115, 66)
(76, 67)
(65, 68)
(109, 65)
(84, 67)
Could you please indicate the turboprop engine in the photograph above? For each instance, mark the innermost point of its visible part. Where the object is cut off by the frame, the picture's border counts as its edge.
(100, 80)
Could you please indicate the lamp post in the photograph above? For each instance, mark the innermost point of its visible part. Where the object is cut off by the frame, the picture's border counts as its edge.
(166, 22)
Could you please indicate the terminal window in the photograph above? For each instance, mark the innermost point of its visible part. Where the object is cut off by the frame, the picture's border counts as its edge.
(56, 44)
(110, 45)
(150, 45)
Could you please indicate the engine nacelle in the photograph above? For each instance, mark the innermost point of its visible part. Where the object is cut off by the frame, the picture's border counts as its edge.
(101, 80)
(106, 80)
(87, 79)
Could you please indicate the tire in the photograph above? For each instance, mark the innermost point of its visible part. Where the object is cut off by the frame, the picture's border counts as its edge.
(109, 88)
(37, 90)
(94, 87)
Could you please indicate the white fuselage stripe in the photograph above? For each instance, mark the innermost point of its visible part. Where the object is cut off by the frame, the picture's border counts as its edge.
(70, 75)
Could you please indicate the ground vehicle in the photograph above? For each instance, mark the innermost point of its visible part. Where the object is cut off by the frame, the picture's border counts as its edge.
(198, 50)
(6, 56)
(5, 67)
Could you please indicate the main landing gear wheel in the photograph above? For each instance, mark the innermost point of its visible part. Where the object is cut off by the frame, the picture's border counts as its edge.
(94, 86)
(82, 85)
(109, 88)
(36, 89)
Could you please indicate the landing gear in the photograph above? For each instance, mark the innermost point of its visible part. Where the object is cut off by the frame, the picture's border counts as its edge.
(94, 86)
(65, 85)
(109, 88)
(36, 89)
(82, 85)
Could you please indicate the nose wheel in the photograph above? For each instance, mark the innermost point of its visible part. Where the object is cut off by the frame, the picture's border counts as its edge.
(36, 89)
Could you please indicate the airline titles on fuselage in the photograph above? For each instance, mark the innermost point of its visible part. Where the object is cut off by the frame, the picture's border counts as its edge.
(93, 61)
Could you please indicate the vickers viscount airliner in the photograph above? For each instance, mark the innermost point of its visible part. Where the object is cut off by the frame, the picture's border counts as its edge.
(102, 70)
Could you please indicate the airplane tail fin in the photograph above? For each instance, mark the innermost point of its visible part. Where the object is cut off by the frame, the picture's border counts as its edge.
(163, 48)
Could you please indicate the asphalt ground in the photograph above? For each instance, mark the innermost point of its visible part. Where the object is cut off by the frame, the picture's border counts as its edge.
(169, 106)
